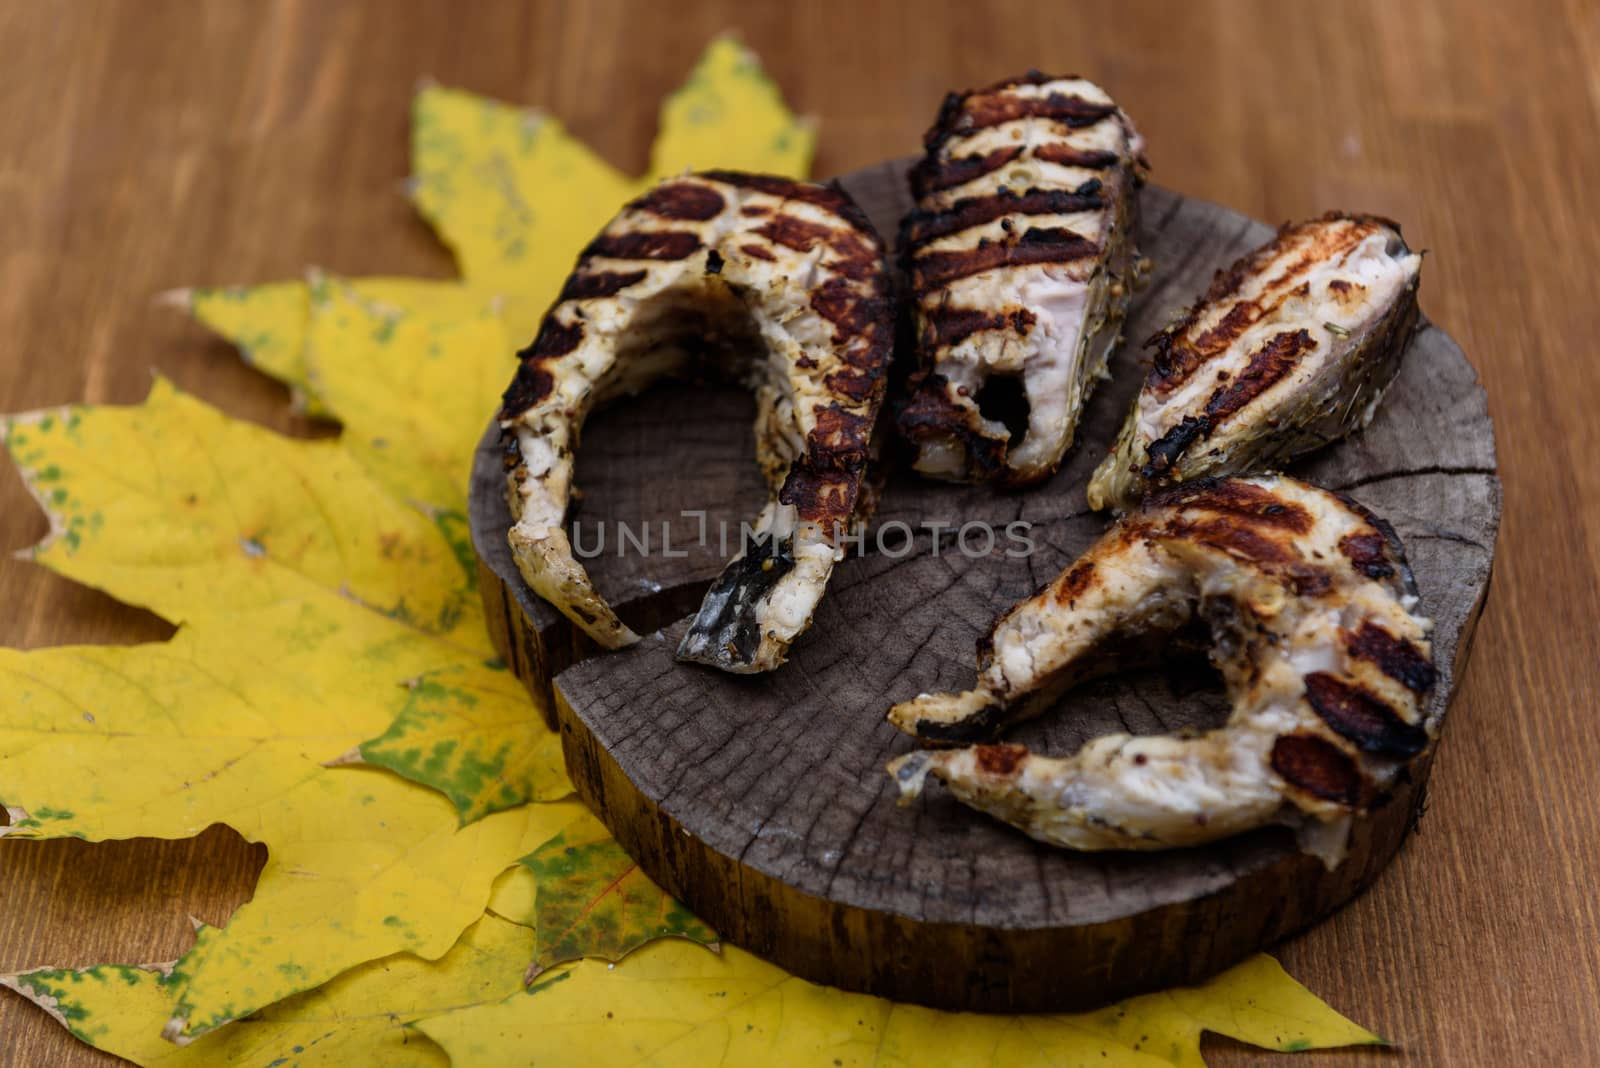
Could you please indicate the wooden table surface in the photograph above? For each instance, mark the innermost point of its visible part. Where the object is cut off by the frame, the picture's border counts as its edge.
(146, 145)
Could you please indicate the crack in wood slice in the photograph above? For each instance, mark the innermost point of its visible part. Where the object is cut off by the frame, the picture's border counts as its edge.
(762, 802)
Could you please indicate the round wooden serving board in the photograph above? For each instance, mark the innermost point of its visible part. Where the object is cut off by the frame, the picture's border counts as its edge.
(761, 802)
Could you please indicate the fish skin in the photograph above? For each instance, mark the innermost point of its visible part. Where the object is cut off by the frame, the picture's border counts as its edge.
(1290, 349)
(1021, 262)
(728, 264)
(1311, 613)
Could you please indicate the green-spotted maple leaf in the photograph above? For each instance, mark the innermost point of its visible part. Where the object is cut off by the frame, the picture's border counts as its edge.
(594, 901)
(359, 1018)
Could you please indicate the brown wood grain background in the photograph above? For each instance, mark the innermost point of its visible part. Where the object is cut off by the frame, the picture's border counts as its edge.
(147, 144)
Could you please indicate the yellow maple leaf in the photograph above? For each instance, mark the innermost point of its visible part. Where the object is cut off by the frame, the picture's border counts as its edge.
(514, 895)
(516, 197)
(268, 322)
(303, 587)
(173, 506)
(730, 92)
(357, 1019)
(511, 192)
(414, 430)
(267, 325)
(672, 1003)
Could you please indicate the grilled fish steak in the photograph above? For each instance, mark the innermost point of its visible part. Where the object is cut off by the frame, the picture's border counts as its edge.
(1290, 349)
(782, 285)
(1311, 612)
(1021, 257)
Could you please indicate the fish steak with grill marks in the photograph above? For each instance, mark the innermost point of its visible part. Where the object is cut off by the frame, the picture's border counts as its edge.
(1290, 349)
(778, 284)
(1311, 612)
(1021, 261)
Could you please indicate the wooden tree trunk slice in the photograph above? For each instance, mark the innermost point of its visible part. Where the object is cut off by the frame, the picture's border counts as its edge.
(762, 803)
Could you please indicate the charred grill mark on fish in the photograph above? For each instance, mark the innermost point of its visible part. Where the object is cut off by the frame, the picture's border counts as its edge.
(1068, 156)
(1396, 657)
(1394, 552)
(1061, 101)
(852, 312)
(950, 324)
(830, 197)
(792, 233)
(1247, 501)
(531, 385)
(821, 484)
(1366, 550)
(933, 269)
(965, 214)
(761, 263)
(1268, 365)
(1363, 718)
(1290, 348)
(1317, 766)
(1325, 717)
(1021, 263)
(555, 338)
(992, 109)
(932, 175)
(680, 200)
(588, 286)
